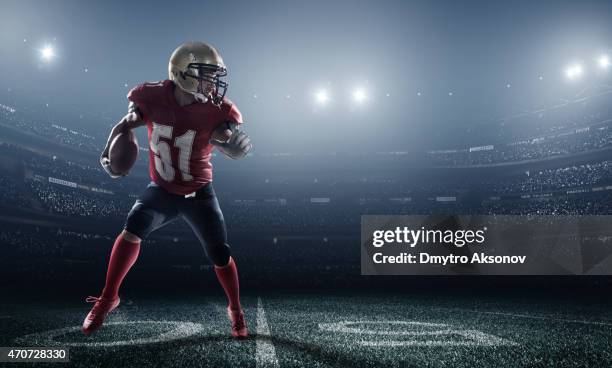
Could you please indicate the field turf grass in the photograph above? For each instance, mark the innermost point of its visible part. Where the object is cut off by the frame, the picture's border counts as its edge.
(323, 330)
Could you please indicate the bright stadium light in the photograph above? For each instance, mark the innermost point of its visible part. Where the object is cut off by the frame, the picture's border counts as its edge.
(359, 95)
(573, 71)
(321, 96)
(47, 52)
(603, 61)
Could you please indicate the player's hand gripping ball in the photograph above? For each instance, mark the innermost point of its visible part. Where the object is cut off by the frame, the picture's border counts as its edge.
(222, 133)
(238, 146)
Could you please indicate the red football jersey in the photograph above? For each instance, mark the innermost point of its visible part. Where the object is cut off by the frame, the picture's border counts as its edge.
(179, 152)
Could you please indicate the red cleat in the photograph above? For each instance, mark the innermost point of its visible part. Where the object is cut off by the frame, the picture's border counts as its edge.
(98, 313)
(239, 327)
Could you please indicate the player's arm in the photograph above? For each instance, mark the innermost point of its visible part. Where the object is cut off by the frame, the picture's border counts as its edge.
(133, 119)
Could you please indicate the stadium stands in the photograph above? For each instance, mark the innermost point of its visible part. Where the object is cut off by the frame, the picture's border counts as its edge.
(62, 209)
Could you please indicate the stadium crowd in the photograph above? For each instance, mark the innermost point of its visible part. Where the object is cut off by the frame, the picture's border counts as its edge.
(534, 149)
(559, 178)
(588, 128)
(282, 200)
(317, 209)
(68, 201)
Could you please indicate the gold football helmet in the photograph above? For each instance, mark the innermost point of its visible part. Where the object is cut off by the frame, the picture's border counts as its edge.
(197, 68)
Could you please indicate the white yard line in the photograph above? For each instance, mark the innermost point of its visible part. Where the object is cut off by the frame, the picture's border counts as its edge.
(265, 354)
(598, 323)
(436, 333)
(175, 330)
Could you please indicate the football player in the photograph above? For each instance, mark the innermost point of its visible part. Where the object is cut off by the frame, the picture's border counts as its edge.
(186, 116)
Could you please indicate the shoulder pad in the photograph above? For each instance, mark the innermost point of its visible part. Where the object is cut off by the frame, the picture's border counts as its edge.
(231, 111)
(148, 92)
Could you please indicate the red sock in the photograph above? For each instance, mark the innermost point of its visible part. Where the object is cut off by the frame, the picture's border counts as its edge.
(228, 278)
(122, 258)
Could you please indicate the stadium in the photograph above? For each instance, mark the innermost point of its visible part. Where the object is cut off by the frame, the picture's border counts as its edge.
(324, 155)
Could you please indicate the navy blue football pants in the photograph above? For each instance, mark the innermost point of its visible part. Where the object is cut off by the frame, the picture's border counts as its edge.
(156, 208)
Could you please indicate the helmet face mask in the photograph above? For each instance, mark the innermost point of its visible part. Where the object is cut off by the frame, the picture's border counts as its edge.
(208, 79)
(198, 69)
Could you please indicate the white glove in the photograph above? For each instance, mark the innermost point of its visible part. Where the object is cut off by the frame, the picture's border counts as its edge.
(105, 162)
(236, 147)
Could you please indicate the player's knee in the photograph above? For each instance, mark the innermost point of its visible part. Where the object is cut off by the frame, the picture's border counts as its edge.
(140, 222)
(130, 236)
(219, 253)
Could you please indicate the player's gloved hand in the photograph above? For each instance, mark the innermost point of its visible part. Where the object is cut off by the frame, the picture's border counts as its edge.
(105, 162)
(236, 147)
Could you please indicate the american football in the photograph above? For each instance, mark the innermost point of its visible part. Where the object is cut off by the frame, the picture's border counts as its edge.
(123, 152)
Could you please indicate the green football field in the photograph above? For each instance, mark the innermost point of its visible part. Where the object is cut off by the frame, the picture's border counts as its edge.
(323, 330)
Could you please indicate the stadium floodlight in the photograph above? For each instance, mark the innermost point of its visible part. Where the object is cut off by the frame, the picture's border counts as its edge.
(603, 61)
(359, 95)
(47, 52)
(321, 96)
(573, 71)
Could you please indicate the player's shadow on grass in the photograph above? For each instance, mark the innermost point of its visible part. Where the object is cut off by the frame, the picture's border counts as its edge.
(340, 357)
(316, 351)
(332, 357)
